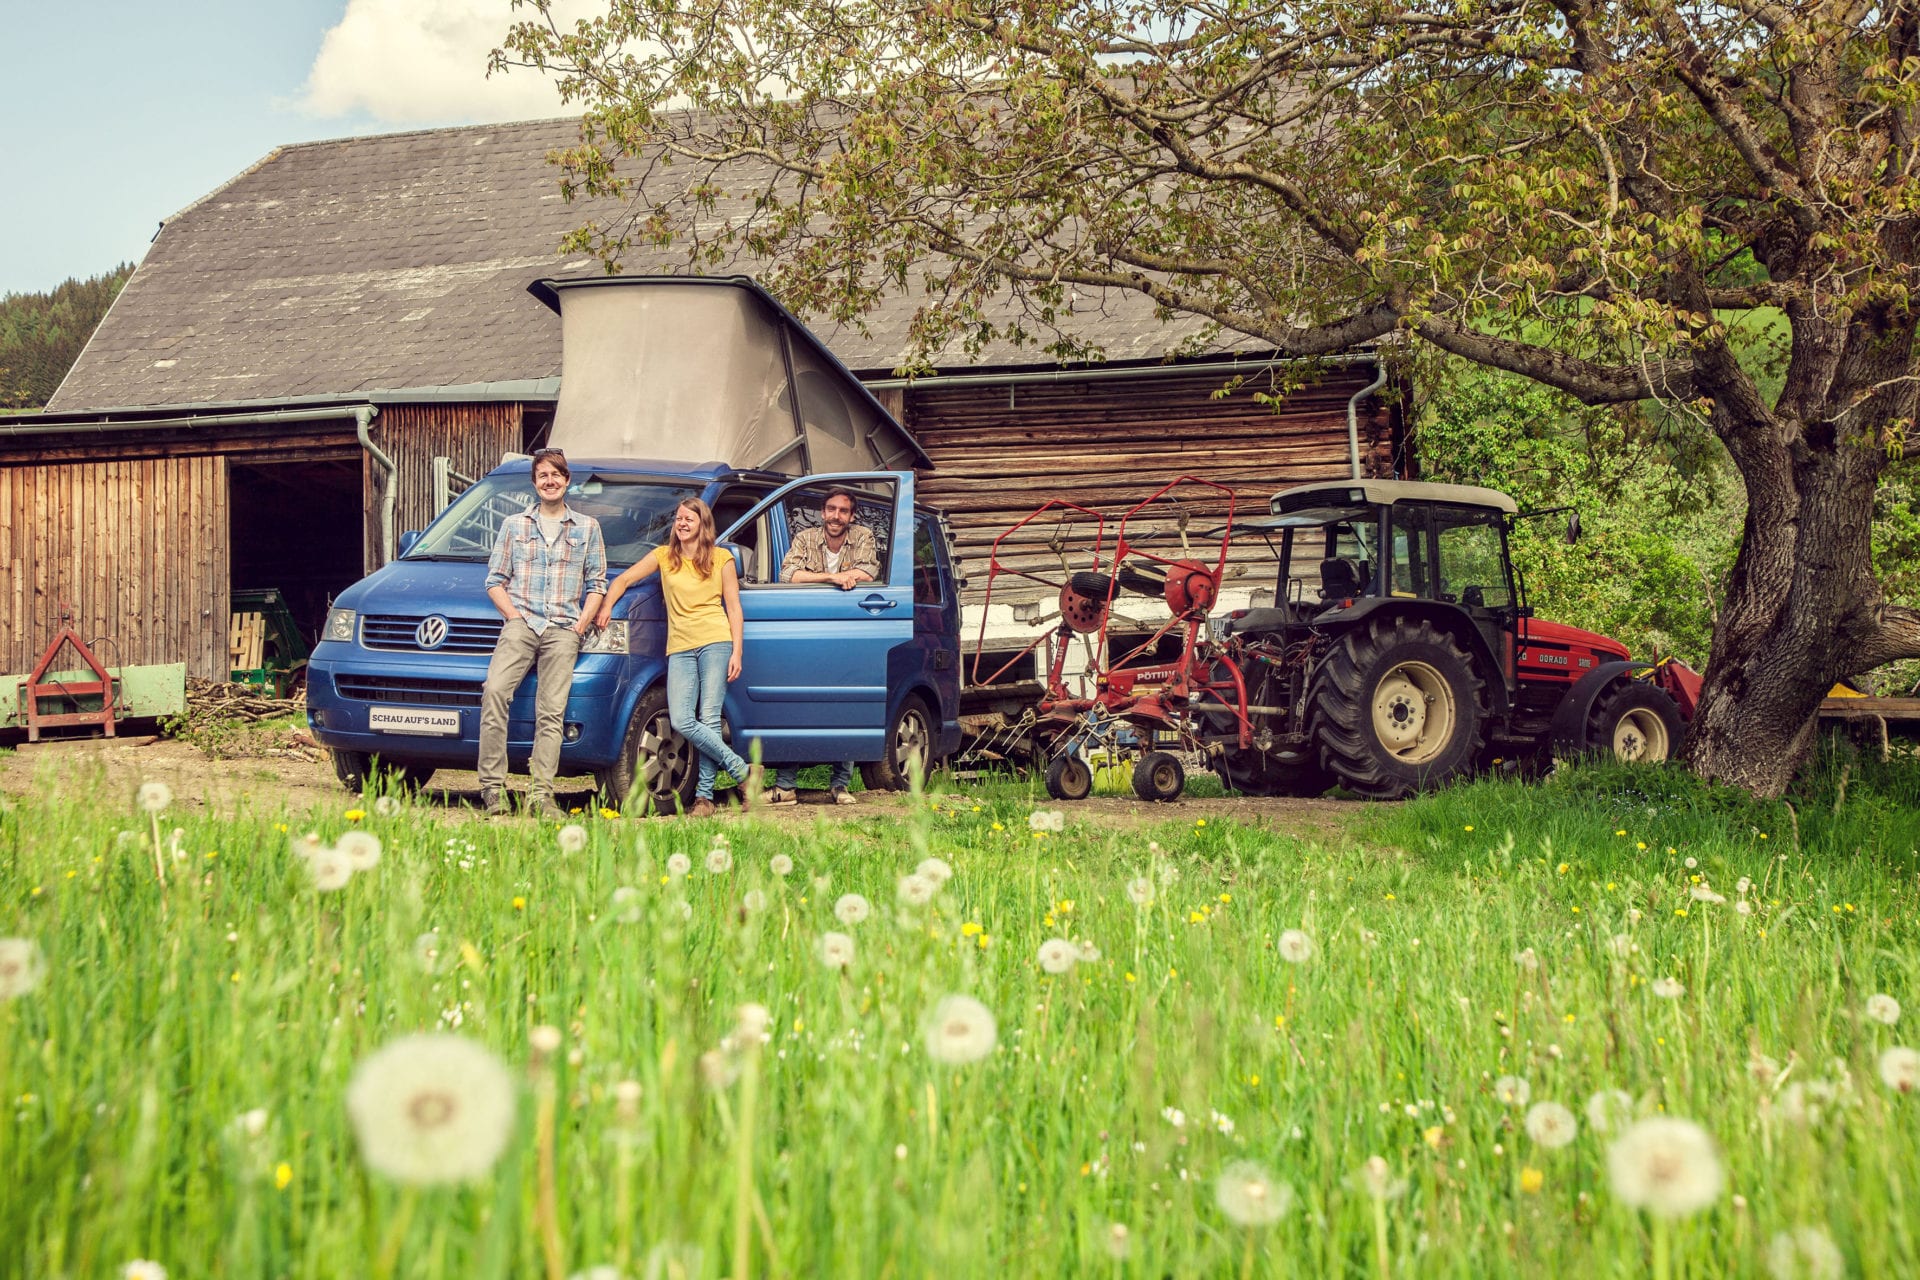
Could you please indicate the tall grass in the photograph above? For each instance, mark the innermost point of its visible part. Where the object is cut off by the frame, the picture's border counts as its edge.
(1118, 1093)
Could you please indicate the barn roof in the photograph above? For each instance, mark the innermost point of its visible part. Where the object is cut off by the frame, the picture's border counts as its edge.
(402, 260)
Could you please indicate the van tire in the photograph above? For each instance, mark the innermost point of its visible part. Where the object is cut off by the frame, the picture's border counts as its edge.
(911, 733)
(652, 754)
(355, 770)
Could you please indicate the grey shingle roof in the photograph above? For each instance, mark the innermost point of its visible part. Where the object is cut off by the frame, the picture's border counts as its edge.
(402, 260)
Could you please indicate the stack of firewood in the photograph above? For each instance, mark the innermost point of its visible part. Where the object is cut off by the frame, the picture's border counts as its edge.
(220, 700)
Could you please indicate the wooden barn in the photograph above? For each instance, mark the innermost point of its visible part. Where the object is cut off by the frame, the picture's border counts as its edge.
(308, 356)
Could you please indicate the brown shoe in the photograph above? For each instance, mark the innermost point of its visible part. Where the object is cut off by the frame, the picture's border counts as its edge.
(843, 796)
(781, 795)
(702, 808)
(754, 787)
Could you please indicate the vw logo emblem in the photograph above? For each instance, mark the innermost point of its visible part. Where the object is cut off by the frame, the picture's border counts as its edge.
(431, 633)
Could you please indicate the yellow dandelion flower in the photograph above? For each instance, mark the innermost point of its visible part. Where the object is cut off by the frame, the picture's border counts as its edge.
(1468, 827)
(1641, 845)
(282, 1175)
(1531, 1180)
(998, 827)
(1432, 1134)
(1226, 897)
(519, 903)
(1562, 868)
(1621, 832)
(985, 941)
(1130, 977)
(354, 815)
(968, 929)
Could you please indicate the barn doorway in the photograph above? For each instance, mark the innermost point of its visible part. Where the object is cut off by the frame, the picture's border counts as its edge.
(296, 527)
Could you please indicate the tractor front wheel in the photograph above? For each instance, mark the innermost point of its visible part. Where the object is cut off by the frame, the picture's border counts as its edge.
(1635, 723)
(1397, 708)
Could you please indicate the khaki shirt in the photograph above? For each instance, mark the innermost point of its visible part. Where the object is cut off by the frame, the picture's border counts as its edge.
(809, 552)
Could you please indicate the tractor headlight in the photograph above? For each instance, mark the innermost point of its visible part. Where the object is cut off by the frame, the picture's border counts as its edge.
(610, 639)
(339, 626)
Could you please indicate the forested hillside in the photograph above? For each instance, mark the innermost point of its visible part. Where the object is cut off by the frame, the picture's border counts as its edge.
(41, 335)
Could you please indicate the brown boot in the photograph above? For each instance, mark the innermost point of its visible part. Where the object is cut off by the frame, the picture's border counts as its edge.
(702, 808)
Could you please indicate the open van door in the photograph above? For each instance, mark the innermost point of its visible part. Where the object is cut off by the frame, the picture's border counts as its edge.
(813, 680)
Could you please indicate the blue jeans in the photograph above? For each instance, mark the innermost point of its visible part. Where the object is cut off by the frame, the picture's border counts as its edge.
(696, 690)
(787, 775)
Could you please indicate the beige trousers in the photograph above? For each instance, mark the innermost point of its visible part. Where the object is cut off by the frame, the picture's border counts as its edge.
(551, 654)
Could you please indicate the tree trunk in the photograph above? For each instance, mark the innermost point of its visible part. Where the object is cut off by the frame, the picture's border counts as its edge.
(1803, 606)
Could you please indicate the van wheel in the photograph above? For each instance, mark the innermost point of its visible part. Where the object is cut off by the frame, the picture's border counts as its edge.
(653, 754)
(1159, 776)
(909, 740)
(355, 769)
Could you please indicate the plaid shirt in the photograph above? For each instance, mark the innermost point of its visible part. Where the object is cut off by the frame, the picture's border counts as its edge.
(546, 581)
(809, 552)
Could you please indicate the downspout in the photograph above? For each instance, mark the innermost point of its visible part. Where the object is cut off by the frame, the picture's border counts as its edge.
(363, 416)
(1353, 417)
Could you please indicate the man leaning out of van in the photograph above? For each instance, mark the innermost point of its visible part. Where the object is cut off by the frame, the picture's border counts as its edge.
(543, 560)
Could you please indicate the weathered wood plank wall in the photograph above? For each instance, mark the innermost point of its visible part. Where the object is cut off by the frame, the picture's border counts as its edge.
(136, 548)
(472, 435)
(1000, 451)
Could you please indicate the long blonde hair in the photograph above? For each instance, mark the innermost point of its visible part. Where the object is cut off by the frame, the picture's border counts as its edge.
(702, 541)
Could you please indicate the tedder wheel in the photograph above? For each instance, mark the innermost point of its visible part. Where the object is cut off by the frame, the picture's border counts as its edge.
(356, 769)
(1635, 723)
(1159, 776)
(655, 755)
(1069, 778)
(909, 739)
(1258, 773)
(1397, 708)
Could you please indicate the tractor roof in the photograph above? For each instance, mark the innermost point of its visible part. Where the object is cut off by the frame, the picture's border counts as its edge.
(1387, 492)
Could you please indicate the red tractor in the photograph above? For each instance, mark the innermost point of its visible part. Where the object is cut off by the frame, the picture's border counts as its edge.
(1400, 652)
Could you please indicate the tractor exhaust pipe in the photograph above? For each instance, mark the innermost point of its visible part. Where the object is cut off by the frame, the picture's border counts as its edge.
(1353, 416)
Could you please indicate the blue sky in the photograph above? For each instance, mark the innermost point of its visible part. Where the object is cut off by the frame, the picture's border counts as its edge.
(116, 114)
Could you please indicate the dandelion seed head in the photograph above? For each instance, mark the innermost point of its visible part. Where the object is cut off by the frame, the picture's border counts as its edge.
(1900, 1069)
(916, 890)
(1609, 1109)
(1512, 1091)
(330, 869)
(1376, 1179)
(431, 1108)
(1119, 1241)
(1742, 886)
(1527, 959)
(387, 806)
(154, 797)
(143, 1269)
(750, 1023)
(250, 1124)
(1667, 988)
(1883, 1009)
(1704, 893)
(1805, 1253)
(717, 1068)
(938, 870)
(961, 1030)
(544, 1040)
(1047, 820)
(679, 864)
(1551, 1125)
(1249, 1196)
(1057, 955)
(1088, 952)
(780, 864)
(362, 849)
(626, 1099)
(852, 908)
(1140, 890)
(753, 901)
(836, 950)
(1692, 863)
(719, 860)
(1744, 907)
(571, 838)
(22, 967)
(627, 904)
(1295, 947)
(1665, 1165)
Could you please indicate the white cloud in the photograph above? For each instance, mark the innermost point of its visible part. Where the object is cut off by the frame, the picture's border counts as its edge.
(424, 62)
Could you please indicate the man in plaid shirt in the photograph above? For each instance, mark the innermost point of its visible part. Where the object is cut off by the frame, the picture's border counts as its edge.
(542, 561)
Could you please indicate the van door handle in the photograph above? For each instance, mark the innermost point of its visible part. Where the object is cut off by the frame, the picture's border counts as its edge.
(876, 602)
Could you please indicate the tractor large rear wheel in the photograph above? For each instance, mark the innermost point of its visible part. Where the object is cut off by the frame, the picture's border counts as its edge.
(1396, 708)
(1635, 723)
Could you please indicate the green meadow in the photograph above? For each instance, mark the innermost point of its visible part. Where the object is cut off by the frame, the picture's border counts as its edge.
(1442, 1044)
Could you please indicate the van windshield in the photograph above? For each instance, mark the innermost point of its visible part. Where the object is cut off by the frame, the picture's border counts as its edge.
(634, 514)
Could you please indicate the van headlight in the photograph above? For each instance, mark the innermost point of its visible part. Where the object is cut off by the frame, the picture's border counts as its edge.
(339, 626)
(611, 638)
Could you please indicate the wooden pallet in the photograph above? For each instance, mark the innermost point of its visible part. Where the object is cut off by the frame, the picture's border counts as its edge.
(246, 639)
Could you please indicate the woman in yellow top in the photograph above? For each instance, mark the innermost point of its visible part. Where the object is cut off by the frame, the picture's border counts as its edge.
(702, 592)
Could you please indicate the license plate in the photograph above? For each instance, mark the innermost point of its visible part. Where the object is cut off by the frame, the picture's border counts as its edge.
(413, 720)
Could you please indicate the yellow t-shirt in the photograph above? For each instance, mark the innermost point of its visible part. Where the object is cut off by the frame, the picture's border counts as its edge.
(696, 615)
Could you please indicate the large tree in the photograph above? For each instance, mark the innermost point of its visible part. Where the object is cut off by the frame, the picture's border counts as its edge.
(1579, 193)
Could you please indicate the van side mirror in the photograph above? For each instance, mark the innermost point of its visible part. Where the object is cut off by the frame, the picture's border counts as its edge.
(1573, 528)
(408, 540)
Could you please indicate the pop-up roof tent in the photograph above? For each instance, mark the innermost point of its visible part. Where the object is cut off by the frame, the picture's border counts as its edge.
(698, 369)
